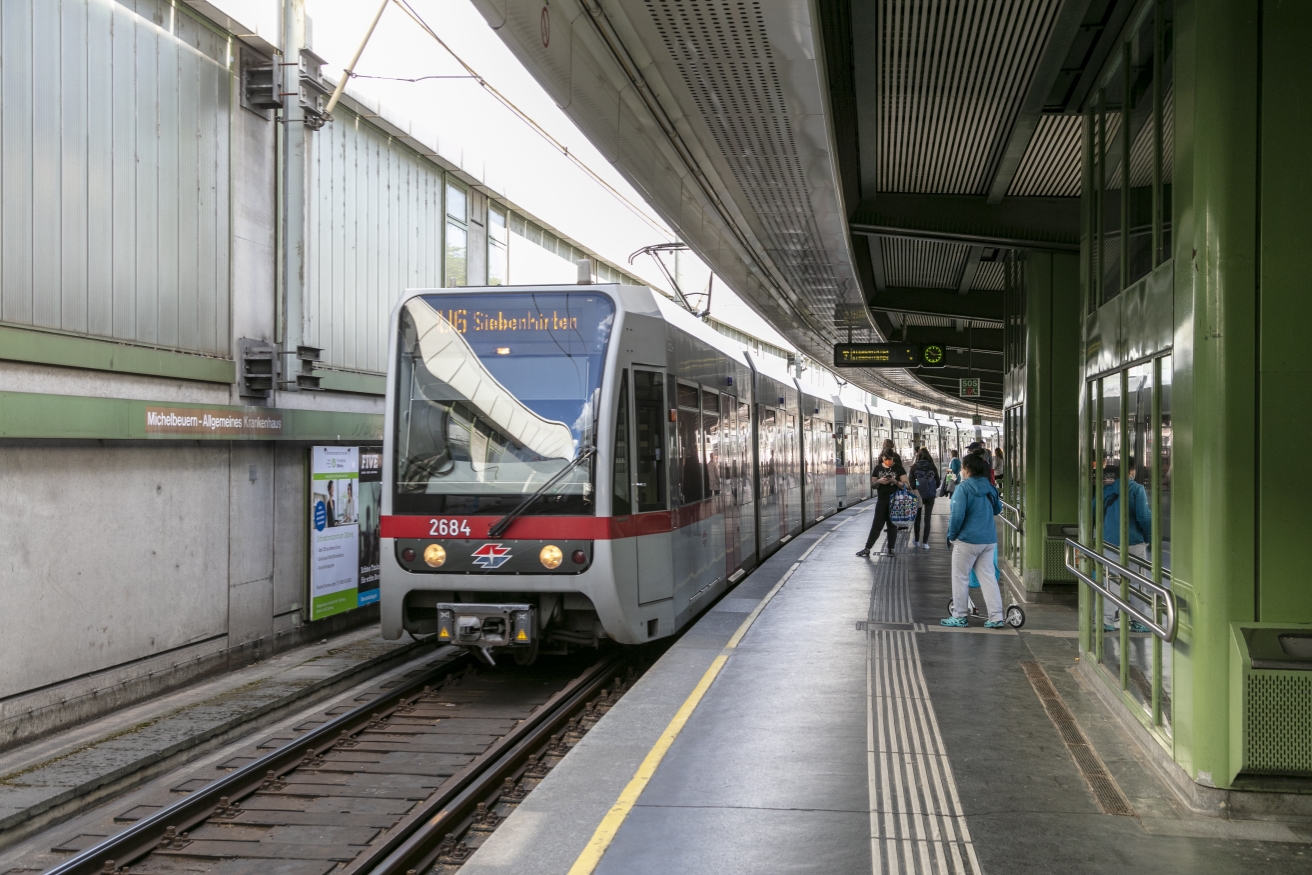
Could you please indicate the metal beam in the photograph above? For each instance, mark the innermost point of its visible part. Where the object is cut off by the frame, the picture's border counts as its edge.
(1064, 30)
(1016, 223)
(865, 75)
(981, 306)
(985, 341)
(971, 270)
(877, 262)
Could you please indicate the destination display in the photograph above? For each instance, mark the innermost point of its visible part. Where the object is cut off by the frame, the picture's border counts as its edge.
(889, 355)
(466, 321)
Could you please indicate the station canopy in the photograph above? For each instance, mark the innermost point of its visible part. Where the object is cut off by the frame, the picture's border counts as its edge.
(855, 171)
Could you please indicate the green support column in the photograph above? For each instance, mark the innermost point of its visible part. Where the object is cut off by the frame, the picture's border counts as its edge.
(1052, 416)
(1285, 307)
(1213, 403)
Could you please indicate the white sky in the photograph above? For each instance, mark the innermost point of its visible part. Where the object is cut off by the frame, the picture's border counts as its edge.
(497, 146)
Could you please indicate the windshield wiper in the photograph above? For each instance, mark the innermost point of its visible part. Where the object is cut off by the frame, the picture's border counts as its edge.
(504, 523)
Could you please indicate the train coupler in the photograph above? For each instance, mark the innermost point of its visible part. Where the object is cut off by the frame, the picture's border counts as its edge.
(484, 626)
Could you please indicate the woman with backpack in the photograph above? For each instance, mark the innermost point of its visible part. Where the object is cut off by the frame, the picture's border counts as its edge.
(924, 481)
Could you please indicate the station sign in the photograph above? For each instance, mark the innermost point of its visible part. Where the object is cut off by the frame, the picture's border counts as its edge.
(970, 387)
(889, 355)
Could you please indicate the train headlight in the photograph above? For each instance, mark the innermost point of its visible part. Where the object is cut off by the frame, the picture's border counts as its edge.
(550, 556)
(434, 555)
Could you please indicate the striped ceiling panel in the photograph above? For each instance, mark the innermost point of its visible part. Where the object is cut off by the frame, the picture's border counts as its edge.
(721, 50)
(1051, 166)
(1141, 153)
(921, 264)
(991, 276)
(953, 74)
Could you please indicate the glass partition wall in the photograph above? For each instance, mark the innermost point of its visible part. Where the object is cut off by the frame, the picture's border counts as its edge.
(1126, 438)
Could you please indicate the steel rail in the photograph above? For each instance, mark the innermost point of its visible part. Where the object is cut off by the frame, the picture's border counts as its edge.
(1156, 594)
(145, 835)
(414, 843)
(1018, 526)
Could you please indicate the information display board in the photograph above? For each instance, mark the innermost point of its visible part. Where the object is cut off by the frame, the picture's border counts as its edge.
(876, 355)
(345, 500)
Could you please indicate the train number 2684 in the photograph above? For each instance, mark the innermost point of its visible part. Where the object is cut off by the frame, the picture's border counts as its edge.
(451, 528)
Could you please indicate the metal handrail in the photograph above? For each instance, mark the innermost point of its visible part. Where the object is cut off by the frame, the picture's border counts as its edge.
(1144, 564)
(1158, 595)
(1018, 526)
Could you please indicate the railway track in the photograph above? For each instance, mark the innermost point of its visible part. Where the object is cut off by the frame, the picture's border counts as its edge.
(411, 780)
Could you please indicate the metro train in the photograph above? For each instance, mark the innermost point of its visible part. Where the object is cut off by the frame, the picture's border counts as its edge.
(565, 464)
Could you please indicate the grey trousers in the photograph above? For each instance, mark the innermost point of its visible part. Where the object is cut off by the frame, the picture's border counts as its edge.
(979, 557)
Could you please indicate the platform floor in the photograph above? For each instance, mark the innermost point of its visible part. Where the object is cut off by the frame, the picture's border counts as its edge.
(846, 732)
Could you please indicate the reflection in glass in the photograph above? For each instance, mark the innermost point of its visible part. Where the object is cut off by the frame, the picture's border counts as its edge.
(496, 393)
(456, 248)
(649, 429)
(620, 504)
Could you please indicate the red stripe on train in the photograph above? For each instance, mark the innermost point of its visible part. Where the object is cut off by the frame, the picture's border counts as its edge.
(537, 528)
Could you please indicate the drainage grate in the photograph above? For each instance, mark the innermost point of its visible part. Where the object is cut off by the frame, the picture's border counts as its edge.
(1106, 792)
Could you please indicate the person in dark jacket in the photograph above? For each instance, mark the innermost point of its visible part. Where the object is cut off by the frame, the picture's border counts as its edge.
(1139, 527)
(974, 539)
(924, 482)
(887, 476)
(978, 449)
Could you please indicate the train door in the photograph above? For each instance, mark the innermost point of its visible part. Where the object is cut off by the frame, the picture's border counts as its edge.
(650, 495)
(731, 486)
(746, 495)
(689, 493)
(770, 500)
(712, 522)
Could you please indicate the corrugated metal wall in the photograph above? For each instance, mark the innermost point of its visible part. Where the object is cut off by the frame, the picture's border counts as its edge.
(374, 229)
(114, 174)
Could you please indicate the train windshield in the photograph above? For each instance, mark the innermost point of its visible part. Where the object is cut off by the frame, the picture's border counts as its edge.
(497, 393)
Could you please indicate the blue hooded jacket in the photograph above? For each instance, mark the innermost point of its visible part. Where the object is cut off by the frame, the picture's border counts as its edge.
(974, 505)
(1141, 516)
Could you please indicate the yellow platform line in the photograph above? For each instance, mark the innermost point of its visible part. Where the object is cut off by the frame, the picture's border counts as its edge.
(610, 825)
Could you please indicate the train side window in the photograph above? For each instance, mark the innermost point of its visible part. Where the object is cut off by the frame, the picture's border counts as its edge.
(767, 449)
(621, 504)
(649, 432)
(793, 441)
(745, 490)
(729, 449)
(691, 477)
(711, 437)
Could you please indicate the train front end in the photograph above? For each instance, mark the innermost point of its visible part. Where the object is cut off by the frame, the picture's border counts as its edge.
(493, 538)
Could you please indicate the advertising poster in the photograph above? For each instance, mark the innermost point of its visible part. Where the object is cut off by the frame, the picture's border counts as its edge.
(371, 506)
(334, 531)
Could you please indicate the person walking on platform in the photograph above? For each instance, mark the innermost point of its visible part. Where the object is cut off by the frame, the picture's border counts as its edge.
(974, 539)
(998, 464)
(978, 449)
(954, 474)
(889, 448)
(924, 481)
(1140, 525)
(888, 475)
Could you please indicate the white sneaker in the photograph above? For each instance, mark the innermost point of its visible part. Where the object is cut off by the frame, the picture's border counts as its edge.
(915, 543)
(925, 545)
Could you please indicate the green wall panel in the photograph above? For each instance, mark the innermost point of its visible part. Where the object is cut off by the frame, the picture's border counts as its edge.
(37, 416)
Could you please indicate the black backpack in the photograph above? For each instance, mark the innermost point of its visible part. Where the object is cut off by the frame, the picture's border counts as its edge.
(926, 483)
